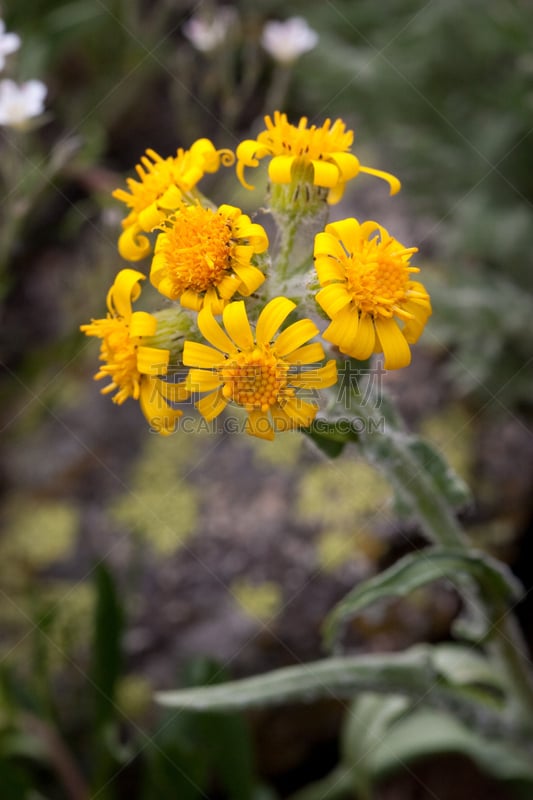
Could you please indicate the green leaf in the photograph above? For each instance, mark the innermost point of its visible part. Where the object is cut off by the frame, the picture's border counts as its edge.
(332, 676)
(445, 480)
(331, 436)
(428, 732)
(203, 745)
(416, 570)
(106, 650)
(103, 676)
(413, 673)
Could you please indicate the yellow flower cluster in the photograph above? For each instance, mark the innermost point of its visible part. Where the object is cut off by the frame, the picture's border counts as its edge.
(264, 357)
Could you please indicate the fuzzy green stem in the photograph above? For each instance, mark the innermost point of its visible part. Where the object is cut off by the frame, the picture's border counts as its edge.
(438, 522)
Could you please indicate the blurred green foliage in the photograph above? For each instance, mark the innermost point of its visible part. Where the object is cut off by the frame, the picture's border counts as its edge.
(440, 93)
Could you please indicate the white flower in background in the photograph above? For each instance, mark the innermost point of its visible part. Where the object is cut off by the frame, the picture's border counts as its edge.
(19, 103)
(287, 41)
(9, 42)
(207, 34)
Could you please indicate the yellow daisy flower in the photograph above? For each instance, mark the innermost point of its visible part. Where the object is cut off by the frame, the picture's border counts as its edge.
(368, 292)
(203, 257)
(133, 367)
(162, 184)
(261, 371)
(301, 154)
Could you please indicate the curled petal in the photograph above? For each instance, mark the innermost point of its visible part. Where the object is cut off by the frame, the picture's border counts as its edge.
(392, 180)
(124, 292)
(251, 278)
(280, 169)
(142, 324)
(347, 164)
(325, 174)
(132, 246)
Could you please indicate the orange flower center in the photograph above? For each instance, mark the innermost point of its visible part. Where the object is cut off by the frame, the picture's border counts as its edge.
(255, 380)
(377, 277)
(197, 250)
(312, 143)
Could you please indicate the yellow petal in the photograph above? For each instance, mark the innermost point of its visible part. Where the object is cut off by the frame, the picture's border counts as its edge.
(161, 417)
(237, 325)
(317, 378)
(133, 247)
(254, 233)
(251, 278)
(414, 327)
(280, 169)
(325, 174)
(173, 392)
(307, 354)
(347, 164)
(395, 347)
(333, 298)
(346, 231)
(228, 286)
(151, 217)
(299, 411)
(271, 317)
(152, 360)
(392, 180)
(211, 405)
(327, 244)
(343, 329)
(294, 336)
(189, 298)
(142, 324)
(196, 354)
(202, 380)
(124, 292)
(363, 345)
(282, 421)
(258, 424)
(249, 152)
(213, 301)
(336, 193)
(212, 331)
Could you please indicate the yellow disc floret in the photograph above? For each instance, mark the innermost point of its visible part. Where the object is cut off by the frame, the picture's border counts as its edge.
(260, 371)
(365, 276)
(307, 154)
(203, 257)
(256, 380)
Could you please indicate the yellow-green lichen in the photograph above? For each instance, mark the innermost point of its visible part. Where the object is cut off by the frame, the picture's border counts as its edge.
(260, 601)
(337, 494)
(336, 547)
(161, 506)
(37, 533)
(451, 433)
